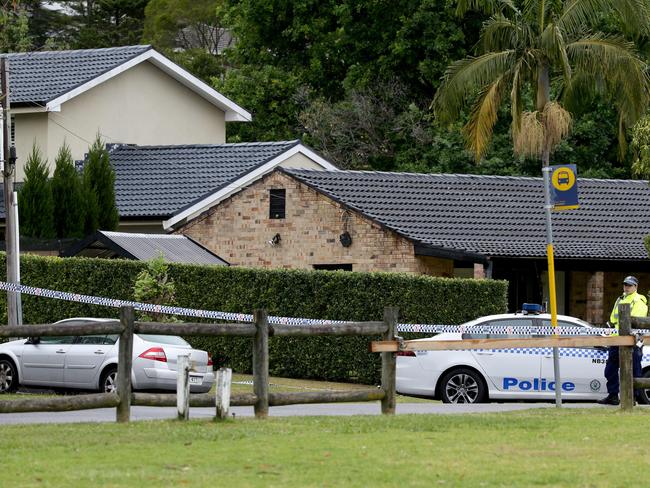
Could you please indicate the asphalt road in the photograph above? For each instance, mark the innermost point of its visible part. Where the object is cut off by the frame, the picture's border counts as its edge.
(159, 413)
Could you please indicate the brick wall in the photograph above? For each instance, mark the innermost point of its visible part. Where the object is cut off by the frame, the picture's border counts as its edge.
(239, 228)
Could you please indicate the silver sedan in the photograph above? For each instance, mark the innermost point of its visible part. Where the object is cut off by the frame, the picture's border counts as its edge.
(90, 362)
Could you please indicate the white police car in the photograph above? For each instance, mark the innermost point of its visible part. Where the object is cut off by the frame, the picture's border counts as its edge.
(473, 376)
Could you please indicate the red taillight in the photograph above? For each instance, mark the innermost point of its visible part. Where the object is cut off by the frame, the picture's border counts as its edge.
(209, 359)
(155, 353)
(410, 354)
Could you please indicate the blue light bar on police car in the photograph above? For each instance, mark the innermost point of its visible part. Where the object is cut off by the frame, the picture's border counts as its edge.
(531, 308)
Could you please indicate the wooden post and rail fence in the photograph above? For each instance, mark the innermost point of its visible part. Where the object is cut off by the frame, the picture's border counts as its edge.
(261, 399)
(260, 331)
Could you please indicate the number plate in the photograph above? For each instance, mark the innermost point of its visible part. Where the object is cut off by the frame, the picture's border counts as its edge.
(196, 380)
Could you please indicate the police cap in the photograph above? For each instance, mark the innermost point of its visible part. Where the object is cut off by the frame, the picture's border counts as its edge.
(631, 280)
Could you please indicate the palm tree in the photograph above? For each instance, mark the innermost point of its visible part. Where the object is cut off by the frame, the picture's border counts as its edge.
(527, 43)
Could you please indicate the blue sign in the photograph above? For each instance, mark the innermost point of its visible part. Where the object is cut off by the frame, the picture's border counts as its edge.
(564, 187)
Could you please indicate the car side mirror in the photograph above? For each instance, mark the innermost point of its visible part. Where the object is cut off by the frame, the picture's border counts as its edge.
(33, 340)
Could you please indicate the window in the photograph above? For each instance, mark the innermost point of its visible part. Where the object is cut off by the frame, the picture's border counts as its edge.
(277, 203)
(334, 267)
(56, 340)
(503, 327)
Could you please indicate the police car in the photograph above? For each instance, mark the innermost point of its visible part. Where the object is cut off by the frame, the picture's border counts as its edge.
(474, 376)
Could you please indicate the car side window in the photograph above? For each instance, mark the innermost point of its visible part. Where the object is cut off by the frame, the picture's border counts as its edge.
(97, 339)
(90, 339)
(111, 338)
(561, 323)
(56, 340)
(510, 327)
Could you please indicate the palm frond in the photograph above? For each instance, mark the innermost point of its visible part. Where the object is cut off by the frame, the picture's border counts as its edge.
(499, 33)
(516, 105)
(553, 43)
(580, 14)
(478, 130)
(464, 77)
(620, 72)
(617, 63)
(485, 6)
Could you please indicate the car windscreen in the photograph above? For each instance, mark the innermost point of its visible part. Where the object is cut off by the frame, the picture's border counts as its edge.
(164, 339)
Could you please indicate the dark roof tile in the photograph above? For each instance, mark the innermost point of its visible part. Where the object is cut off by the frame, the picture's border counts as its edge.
(38, 77)
(495, 215)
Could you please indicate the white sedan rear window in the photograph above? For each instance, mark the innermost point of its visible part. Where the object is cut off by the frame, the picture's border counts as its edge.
(164, 339)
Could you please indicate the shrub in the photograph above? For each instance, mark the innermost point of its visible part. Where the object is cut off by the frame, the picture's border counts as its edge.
(35, 202)
(336, 295)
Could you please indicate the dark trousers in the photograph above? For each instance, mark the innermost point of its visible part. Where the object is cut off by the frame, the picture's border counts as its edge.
(612, 367)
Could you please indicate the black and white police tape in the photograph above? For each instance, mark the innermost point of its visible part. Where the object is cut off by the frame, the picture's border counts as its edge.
(242, 317)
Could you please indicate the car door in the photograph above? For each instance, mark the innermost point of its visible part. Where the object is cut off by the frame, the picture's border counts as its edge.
(513, 371)
(85, 358)
(582, 370)
(44, 361)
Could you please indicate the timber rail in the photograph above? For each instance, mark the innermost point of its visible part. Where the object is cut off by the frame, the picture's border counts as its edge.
(260, 331)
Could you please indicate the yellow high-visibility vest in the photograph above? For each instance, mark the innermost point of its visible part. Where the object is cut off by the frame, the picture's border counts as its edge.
(638, 304)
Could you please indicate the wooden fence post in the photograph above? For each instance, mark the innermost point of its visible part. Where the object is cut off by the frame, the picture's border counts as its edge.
(222, 397)
(124, 363)
(389, 362)
(183, 387)
(625, 359)
(261, 363)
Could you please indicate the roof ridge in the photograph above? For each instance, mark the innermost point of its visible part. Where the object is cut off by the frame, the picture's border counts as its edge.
(144, 47)
(461, 175)
(225, 144)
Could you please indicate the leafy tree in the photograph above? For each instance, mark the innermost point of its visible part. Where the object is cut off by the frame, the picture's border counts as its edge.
(641, 147)
(104, 23)
(69, 205)
(153, 285)
(186, 24)
(275, 96)
(35, 202)
(14, 27)
(522, 46)
(99, 185)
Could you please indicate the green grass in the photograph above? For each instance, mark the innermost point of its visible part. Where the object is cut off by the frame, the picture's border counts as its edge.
(576, 447)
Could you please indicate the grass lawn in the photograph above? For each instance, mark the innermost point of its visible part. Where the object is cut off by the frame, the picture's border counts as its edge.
(541, 447)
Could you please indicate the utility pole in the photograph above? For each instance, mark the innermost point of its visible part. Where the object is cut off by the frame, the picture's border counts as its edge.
(8, 165)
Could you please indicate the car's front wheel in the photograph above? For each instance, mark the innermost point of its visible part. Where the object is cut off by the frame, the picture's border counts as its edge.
(462, 385)
(8, 376)
(108, 383)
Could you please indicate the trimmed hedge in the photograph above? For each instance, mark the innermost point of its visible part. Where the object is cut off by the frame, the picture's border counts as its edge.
(336, 295)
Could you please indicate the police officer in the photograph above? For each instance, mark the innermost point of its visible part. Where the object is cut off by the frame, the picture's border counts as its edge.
(638, 308)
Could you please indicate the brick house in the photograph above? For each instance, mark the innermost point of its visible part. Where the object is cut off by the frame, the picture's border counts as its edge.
(441, 225)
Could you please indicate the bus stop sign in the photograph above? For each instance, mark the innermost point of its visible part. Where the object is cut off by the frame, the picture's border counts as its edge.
(564, 187)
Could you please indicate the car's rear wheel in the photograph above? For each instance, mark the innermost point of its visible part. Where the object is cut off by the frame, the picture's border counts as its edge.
(644, 395)
(108, 383)
(462, 385)
(8, 376)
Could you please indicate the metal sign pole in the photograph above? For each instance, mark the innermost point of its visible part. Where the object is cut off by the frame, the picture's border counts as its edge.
(546, 170)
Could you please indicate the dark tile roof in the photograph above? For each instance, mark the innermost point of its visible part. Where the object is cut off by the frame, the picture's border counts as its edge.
(493, 215)
(38, 77)
(174, 248)
(159, 181)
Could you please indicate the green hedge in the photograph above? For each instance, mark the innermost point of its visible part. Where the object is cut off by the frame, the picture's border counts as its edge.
(335, 295)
